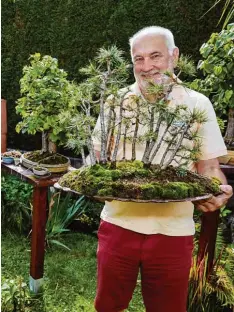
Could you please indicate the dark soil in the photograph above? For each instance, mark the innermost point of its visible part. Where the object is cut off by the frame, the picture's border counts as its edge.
(132, 180)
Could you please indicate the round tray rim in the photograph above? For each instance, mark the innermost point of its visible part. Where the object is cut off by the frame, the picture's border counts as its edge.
(159, 200)
(53, 168)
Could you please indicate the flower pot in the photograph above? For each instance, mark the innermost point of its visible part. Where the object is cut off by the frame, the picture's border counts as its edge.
(3, 126)
(7, 160)
(40, 171)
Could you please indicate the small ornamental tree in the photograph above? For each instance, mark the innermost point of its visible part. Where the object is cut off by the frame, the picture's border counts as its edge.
(218, 69)
(45, 91)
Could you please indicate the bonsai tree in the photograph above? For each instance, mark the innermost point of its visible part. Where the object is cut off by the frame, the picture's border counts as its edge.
(45, 92)
(218, 69)
(121, 115)
(106, 75)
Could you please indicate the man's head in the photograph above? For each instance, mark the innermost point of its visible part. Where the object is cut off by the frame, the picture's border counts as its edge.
(153, 52)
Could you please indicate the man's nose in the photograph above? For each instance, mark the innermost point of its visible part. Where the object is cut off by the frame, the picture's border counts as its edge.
(147, 65)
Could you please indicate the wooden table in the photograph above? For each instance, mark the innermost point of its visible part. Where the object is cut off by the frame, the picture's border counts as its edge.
(207, 239)
(40, 195)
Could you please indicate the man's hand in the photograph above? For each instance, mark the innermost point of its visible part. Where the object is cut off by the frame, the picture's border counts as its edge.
(215, 202)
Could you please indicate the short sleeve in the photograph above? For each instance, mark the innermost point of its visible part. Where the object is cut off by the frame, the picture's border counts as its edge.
(213, 144)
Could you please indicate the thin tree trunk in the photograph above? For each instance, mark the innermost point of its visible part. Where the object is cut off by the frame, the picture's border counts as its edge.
(110, 133)
(90, 141)
(151, 129)
(135, 133)
(118, 132)
(52, 147)
(83, 157)
(124, 142)
(161, 140)
(44, 142)
(175, 149)
(152, 143)
(103, 156)
(229, 135)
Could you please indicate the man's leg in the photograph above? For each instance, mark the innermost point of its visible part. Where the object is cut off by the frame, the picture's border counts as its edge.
(118, 257)
(165, 271)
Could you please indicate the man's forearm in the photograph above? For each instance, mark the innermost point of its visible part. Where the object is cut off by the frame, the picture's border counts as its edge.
(211, 168)
(217, 173)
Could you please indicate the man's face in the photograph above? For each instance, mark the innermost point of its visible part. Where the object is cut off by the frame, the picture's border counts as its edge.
(151, 59)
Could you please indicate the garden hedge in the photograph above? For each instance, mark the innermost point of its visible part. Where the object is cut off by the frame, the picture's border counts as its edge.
(73, 30)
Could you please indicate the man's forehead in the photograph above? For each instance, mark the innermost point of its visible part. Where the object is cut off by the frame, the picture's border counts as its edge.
(149, 44)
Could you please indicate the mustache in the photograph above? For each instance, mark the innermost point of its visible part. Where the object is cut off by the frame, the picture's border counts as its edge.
(149, 73)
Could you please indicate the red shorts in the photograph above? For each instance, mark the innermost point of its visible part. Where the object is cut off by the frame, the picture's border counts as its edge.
(164, 263)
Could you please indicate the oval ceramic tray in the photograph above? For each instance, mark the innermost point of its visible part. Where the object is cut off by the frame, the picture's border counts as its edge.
(158, 200)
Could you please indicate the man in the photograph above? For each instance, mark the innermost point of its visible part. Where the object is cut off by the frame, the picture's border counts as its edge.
(156, 239)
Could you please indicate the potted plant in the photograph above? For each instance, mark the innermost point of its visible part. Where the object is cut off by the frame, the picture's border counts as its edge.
(45, 91)
(218, 70)
(40, 171)
(129, 179)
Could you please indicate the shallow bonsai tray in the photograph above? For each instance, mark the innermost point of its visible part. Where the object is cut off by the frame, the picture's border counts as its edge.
(58, 168)
(157, 200)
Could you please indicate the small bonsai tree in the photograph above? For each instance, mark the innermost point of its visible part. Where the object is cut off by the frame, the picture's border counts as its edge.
(218, 69)
(45, 92)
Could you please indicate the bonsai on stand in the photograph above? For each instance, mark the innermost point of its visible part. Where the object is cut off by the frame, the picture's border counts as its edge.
(45, 91)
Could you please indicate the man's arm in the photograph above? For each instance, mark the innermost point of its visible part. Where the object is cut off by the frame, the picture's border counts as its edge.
(211, 168)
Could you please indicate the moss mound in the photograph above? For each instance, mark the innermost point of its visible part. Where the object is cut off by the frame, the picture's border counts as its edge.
(132, 180)
(45, 158)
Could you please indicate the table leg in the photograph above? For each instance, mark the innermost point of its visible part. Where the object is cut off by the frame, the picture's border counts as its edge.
(38, 238)
(207, 240)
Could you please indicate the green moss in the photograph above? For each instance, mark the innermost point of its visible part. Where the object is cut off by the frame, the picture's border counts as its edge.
(153, 190)
(131, 180)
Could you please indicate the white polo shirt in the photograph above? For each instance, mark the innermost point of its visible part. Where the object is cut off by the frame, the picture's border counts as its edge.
(174, 218)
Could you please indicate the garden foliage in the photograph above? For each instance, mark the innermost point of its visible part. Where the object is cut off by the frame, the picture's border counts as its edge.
(72, 31)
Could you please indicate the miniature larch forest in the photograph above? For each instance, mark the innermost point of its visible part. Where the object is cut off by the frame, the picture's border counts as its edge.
(169, 134)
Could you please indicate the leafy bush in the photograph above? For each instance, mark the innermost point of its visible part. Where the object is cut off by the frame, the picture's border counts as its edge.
(63, 209)
(218, 70)
(16, 204)
(15, 295)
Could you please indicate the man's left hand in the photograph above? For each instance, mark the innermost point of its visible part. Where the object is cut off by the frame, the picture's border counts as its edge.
(215, 202)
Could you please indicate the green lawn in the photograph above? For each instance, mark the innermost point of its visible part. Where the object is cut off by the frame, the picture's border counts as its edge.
(70, 276)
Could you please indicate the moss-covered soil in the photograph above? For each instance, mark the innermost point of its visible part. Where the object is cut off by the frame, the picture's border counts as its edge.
(46, 158)
(132, 180)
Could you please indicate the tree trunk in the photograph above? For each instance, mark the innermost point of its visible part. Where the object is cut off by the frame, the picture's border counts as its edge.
(229, 135)
(52, 147)
(44, 142)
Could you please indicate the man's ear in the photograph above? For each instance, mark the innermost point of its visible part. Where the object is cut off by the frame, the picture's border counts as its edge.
(175, 55)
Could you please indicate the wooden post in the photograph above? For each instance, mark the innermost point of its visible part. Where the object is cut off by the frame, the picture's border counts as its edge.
(38, 237)
(207, 240)
(3, 126)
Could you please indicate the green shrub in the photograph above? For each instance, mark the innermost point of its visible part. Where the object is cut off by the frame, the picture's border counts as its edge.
(72, 31)
(16, 204)
(15, 295)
